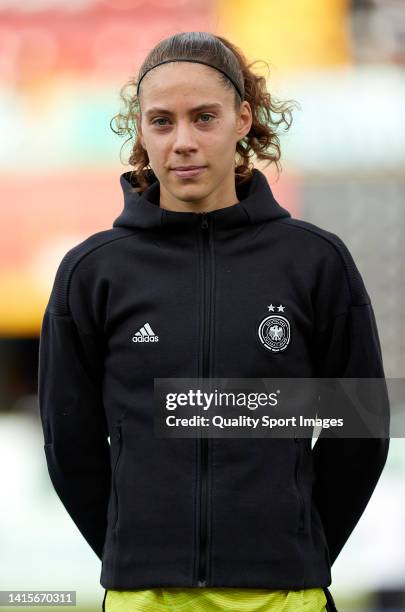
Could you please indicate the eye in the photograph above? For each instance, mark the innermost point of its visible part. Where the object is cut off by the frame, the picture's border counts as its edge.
(159, 119)
(207, 115)
(155, 122)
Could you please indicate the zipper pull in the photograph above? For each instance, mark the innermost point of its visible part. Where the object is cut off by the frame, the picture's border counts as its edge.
(118, 432)
(204, 221)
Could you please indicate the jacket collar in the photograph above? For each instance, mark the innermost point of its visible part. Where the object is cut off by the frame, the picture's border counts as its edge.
(256, 204)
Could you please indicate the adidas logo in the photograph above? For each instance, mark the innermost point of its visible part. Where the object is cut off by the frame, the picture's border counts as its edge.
(145, 334)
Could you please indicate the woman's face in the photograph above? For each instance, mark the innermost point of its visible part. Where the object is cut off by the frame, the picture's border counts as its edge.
(188, 118)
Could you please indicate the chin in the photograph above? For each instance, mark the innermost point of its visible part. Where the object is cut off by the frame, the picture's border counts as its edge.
(191, 195)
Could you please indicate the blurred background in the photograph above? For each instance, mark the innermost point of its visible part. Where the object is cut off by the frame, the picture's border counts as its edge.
(61, 67)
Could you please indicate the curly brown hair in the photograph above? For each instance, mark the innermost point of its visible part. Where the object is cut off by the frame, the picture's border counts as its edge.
(261, 141)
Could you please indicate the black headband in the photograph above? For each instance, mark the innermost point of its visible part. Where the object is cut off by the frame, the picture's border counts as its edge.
(195, 61)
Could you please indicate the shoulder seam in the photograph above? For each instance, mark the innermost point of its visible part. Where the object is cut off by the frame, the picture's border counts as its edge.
(58, 304)
(71, 319)
(337, 249)
(340, 314)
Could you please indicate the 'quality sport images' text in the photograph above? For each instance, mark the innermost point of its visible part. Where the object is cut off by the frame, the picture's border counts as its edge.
(246, 421)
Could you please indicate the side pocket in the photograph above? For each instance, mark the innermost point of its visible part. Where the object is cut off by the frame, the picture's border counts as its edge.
(118, 434)
(301, 503)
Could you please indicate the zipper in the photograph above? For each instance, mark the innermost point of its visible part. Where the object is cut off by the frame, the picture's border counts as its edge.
(301, 524)
(119, 443)
(202, 561)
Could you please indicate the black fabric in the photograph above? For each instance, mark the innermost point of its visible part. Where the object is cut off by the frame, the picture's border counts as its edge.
(330, 602)
(257, 513)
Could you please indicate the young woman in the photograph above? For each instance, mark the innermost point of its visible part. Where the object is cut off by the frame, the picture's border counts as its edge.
(204, 274)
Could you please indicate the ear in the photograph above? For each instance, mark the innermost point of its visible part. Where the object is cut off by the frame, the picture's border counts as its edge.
(244, 121)
(139, 130)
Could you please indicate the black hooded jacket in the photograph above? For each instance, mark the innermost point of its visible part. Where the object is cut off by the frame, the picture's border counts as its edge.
(181, 294)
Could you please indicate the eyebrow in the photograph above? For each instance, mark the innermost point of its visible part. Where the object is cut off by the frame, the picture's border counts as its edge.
(196, 108)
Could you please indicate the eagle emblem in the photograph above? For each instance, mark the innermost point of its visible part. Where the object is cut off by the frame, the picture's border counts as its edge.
(274, 333)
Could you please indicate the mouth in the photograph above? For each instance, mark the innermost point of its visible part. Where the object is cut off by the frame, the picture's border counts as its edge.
(188, 172)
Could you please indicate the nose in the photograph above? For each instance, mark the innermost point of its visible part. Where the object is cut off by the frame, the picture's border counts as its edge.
(184, 139)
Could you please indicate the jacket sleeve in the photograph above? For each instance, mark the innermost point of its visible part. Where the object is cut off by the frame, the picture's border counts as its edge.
(71, 409)
(347, 469)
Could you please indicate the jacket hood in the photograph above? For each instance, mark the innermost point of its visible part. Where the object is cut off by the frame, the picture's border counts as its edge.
(142, 209)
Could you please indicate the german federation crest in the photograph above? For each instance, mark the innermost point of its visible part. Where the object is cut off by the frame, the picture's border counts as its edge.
(274, 333)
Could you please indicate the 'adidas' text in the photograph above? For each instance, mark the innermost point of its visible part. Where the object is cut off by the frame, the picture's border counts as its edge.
(145, 334)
